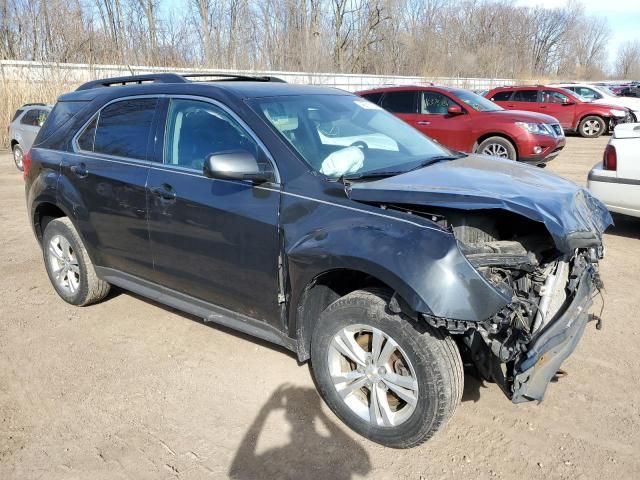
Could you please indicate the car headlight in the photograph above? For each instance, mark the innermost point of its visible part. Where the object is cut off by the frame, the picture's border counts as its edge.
(618, 113)
(537, 128)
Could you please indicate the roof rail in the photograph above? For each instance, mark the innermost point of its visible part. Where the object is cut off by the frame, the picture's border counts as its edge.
(170, 78)
(36, 104)
(153, 78)
(233, 77)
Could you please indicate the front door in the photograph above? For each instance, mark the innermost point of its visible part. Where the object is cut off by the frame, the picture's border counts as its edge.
(216, 240)
(558, 105)
(434, 120)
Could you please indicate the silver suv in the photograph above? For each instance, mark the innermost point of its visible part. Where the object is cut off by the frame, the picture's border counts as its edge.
(24, 127)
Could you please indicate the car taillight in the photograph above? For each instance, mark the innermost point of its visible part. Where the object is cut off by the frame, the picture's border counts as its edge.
(26, 163)
(610, 158)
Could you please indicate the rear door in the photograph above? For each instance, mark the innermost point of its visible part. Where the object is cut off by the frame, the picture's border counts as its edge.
(105, 182)
(558, 105)
(216, 240)
(523, 99)
(403, 104)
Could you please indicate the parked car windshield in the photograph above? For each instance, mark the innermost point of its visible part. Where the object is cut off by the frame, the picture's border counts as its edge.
(340, 135)
(476, 102)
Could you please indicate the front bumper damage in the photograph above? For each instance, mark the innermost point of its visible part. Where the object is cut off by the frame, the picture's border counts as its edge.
(553, 345)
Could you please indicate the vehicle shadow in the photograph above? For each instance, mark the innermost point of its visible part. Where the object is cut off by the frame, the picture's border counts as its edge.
(624, 226)
(308, 453)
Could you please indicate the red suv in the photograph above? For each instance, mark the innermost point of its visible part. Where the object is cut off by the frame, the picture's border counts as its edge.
(467, 122)
(574, 114)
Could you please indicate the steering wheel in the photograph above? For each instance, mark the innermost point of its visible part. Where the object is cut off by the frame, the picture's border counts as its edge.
(361, 145)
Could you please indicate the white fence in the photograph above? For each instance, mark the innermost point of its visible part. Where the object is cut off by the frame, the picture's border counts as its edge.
(74, 73)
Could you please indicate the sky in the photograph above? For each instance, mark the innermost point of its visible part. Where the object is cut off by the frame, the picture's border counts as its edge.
(623, 17)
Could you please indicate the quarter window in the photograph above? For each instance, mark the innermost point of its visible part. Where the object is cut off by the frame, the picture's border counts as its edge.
(399, 102)
(122, 129)
(198, 129)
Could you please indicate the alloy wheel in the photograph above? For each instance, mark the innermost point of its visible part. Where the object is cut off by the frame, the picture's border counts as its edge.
(64, 265)
(496, 150)
(17, 157)
(373, 375)
(591, 127)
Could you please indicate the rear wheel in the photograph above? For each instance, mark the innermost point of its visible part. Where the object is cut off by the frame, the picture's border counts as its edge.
(592, 127)
(394, 380)
(497, 147)
(17, 156)
(68, 265)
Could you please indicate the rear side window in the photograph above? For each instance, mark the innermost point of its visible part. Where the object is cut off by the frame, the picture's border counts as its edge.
(122, 129)
(17, 114)
(525, 96)
(30, 118)
(502, 96)
(399, 102)
(373, 97)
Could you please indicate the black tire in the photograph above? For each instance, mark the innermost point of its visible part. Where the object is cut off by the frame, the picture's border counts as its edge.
(90, 289)
(18, 154)
(502, 147)
(433, 356)
(592, 126)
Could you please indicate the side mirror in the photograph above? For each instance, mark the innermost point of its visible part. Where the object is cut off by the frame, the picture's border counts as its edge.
(236, 165)
(454, 110)
(566, 101)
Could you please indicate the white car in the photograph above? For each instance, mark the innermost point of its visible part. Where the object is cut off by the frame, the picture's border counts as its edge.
(616, 179)
(599, 94)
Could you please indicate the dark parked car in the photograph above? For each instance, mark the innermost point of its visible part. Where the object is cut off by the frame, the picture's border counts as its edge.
(467, 122)
(314, 219)
(574, 114)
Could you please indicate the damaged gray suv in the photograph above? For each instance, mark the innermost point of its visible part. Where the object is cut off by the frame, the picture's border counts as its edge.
(313, 219)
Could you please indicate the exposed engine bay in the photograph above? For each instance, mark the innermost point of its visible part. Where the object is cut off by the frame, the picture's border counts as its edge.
(519, 258)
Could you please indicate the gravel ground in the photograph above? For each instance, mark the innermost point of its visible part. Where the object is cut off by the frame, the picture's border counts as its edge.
(131, 389)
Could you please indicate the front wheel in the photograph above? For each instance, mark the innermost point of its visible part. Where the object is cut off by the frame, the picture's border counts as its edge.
(392, 379)
(17, 157)
(497, 147)
(592, 127)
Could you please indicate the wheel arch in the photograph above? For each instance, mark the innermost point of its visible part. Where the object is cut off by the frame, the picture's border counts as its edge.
(324, 289)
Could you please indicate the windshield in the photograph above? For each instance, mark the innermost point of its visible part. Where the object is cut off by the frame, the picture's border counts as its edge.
(603, 90)
(340, 135)
(476, 102)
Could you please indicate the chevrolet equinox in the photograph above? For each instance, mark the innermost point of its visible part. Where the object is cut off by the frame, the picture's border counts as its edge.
(314, 219)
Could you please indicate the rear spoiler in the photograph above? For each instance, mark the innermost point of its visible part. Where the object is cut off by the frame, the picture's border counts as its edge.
(627, 130)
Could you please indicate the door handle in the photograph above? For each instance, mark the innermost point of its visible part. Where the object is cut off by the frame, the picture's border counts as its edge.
(80, 170)
(423, 122)
(165, 192)
(510, 105)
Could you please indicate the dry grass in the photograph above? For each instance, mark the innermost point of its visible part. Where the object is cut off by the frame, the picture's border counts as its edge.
(13, 94)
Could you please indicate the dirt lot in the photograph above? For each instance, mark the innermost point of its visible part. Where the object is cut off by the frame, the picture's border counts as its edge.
(129, 389)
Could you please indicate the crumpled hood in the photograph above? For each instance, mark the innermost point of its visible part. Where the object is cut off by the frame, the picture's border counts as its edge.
(573, 217)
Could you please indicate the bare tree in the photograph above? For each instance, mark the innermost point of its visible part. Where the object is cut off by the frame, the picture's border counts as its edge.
(628, 64)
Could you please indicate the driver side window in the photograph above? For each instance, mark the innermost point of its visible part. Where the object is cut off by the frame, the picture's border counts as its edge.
(197, 129)
(435, 103)
(551, 96)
